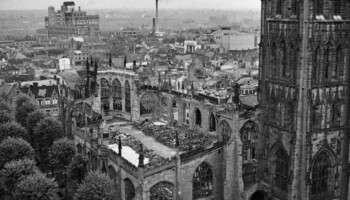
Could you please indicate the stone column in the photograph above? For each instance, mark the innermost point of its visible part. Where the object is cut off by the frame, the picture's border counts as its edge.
(181, 112)
(170, 111)
(123, 95)
(233, 182)
(135, 102)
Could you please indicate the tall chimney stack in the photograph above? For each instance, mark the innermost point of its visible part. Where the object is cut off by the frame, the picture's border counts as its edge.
(157, 15)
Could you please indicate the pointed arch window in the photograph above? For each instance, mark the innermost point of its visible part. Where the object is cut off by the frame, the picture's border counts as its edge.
(318, 7)
(212, 123)
(321, 174)
(129, 189)
(249, 137)
(317, 116)
(281, 169)
(225, 131)
(162, 191)
(337, 7)
(279, 7)
(326, 62)
(127, 97)
(273, 59)
(294, 7)
(202, 182)
(292, 62)
(117, 95)
(339, 63)
(147, 104)
(336, 115)
(104, 88)
(284, 58)
(198, 117)
(315, 64)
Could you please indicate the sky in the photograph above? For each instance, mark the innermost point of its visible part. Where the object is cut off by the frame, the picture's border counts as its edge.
(133, 4)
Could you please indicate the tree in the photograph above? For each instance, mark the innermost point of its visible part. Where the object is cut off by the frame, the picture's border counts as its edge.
(32, 121)
(96, 186)
(13, 129)
(45, 133)
(4, 106)
(14, 149)
(78, 168)
(61, 153)
(36, 186)
(14, 171)
(21, 99)
(5, 117)
(23, 111)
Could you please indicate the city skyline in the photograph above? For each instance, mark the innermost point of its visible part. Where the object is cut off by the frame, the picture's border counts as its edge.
(133, 4)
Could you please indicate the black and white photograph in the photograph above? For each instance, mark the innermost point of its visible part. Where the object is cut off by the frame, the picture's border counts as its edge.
(174, 99)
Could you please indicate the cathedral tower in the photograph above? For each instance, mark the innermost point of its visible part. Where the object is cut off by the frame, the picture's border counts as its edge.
(304, 92)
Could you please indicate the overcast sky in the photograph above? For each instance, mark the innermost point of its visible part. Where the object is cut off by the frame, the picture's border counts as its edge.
(106, 4)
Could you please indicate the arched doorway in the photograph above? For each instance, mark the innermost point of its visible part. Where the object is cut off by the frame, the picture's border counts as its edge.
(258, 195)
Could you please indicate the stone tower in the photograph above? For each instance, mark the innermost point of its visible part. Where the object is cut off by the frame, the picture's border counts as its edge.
(304, 79)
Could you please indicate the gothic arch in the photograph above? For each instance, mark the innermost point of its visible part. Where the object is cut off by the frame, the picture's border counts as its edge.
(198, 117)
(258, 195)
(127, 96)
(322, 174)
(316, 63)
(162, 191)
(148, 103)
(337, 7)
(225, 131)
(212, 122)
(202, 181)
(279, 7)
(129, 189)
(112, 173)
(249, 137)
(318, 7)
(292, 60)
(105, 93)
(279, 161)
(339, 67)
(117, 95)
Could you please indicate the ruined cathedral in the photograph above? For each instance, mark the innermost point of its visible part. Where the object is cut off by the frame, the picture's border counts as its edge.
(160, 139)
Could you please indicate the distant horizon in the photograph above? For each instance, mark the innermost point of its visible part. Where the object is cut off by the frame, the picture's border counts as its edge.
(145, 9)
(10, 5)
